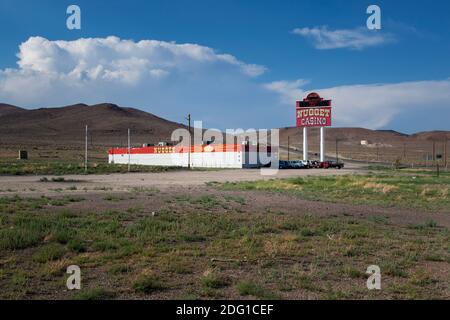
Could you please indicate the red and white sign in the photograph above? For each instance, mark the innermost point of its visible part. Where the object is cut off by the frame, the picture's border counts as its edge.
(313, 111)
(314, 117)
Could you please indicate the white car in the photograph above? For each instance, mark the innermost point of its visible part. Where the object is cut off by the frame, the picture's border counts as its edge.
(306, 163)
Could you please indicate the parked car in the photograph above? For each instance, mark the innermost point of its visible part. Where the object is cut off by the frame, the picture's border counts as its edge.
(315, 164)
(331, 164)
(336, 164)
(297, 164)
(283, 164)
(324, 165)
(306, 163)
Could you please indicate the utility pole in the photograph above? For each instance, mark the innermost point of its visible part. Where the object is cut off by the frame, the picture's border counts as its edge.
(337, 150)
(129, 151)
(288, 149)
(445, 153)
(190, 141)
(404, 151)
(434, 152)
(86, 151)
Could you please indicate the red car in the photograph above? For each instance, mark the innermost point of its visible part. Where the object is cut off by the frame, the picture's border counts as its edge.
(331, 164)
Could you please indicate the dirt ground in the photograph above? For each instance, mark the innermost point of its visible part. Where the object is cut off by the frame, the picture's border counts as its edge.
(202, 242)
(124, 182)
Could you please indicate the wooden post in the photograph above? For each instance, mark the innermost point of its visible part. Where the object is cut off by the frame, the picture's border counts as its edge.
(86, 151)
(337, 151)
(189, 152)
(445, 153)
(434, 152)
(288, 149)
(129, 151)
(404, 151)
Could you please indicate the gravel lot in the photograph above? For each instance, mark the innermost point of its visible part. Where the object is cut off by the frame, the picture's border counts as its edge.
(121, 182)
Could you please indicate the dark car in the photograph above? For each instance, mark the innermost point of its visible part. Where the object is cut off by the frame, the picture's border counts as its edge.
(284, 164)
(336, 164)
(315, 164)
(324, 164)
(331, 164)
(297, 164)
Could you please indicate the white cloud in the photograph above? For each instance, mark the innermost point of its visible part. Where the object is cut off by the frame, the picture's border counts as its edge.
(112, 58)
(358, 38)
(166, 76)
(376, 106)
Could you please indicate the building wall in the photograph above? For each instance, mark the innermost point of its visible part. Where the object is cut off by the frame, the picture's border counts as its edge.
(198, 159)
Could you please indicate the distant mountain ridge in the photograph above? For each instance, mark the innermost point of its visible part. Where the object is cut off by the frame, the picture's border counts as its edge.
(58, 130)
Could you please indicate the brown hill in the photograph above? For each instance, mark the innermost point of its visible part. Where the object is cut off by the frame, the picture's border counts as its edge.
(371, 145)
(51, 131)
(9, 109)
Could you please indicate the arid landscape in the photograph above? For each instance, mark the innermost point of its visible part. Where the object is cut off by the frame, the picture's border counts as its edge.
(229, 234)
(171, 233)
(59, 134)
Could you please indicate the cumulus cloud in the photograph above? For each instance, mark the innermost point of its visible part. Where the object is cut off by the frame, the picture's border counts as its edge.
(377, 106)
(358, 38)
(111, 57)
(166, 76)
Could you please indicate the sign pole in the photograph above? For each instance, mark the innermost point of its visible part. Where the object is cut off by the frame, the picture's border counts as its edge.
(305, 143)
(322, 144)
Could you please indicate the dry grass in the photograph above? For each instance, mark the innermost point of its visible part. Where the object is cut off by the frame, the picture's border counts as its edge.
(217, 246)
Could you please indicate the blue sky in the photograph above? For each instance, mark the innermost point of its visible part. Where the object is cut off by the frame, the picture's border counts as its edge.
(405, 60)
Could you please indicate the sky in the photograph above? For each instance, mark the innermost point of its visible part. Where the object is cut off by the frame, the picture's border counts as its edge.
(233, 64)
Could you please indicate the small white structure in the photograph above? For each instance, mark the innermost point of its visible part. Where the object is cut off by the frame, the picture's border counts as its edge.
(201, 156)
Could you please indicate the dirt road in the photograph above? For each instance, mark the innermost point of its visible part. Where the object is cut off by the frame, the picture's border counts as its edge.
(123, 182)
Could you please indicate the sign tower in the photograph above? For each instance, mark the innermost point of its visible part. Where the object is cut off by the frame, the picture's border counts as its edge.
(313, 111)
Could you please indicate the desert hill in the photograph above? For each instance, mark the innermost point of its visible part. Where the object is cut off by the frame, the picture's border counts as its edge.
(107, 122)
(51, 131)
(8, 109)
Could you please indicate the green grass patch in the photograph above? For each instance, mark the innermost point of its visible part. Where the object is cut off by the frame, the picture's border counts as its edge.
(148, 284)
(398, 189)
(58, 168)
(49, 253)
(213, 280)
(249, 288)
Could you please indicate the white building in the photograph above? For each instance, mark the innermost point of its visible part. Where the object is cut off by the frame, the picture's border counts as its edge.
(201, 156)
